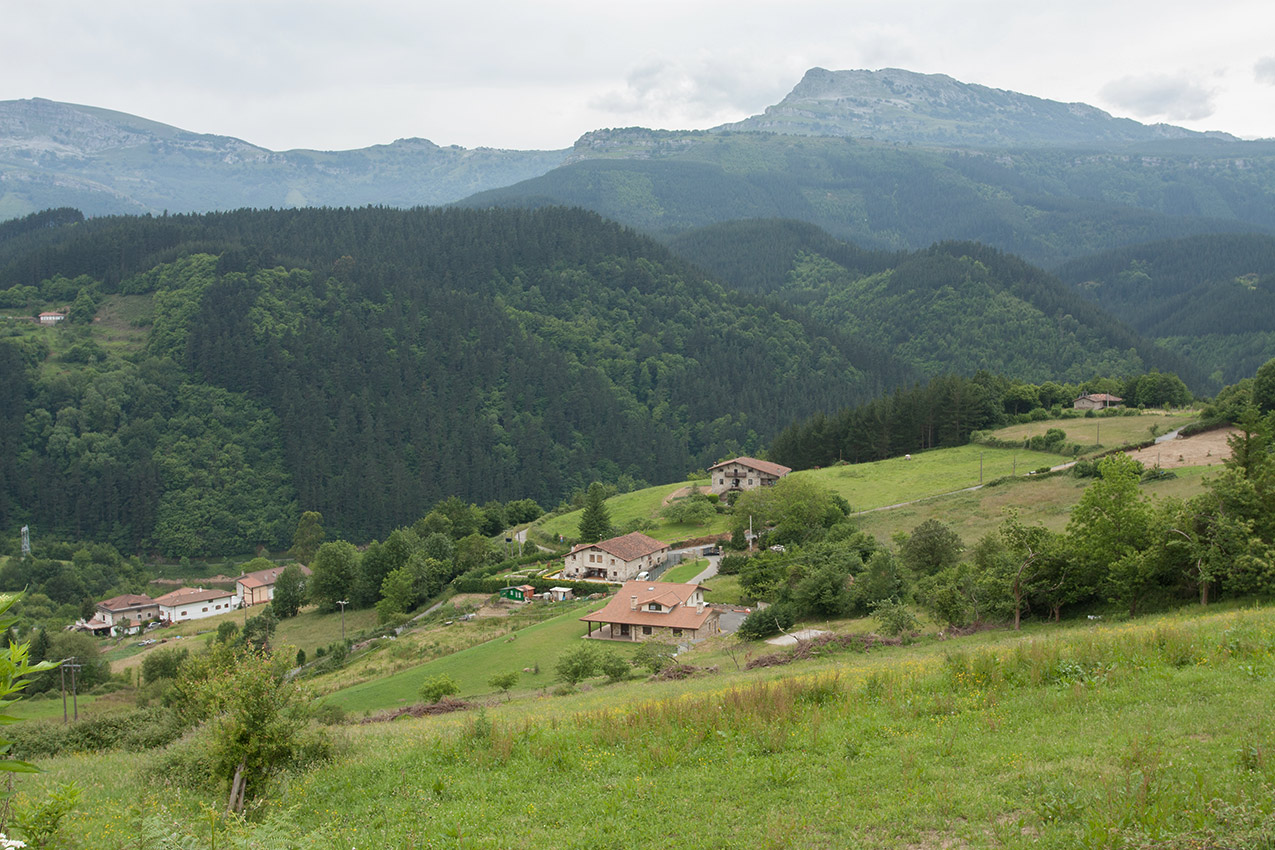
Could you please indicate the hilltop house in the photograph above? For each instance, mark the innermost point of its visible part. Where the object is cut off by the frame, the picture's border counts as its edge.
(126, 613)
(744, 473)
(257, 588)
(645, 610)
(617, 559)
(194, 603)
(1097, 401)
(51, 318)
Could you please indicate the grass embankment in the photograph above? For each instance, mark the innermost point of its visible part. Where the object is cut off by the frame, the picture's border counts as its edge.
(640, 504)
(1150, 733)
(531, 647)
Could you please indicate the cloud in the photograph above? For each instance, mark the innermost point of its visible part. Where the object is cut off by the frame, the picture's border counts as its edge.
(1264, 70)
(701, 88)
(1176, 97)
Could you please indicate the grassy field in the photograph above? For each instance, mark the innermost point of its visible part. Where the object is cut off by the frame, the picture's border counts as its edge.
(540, 644)
(1149, 733)
(1110, 430)
(685, 571)
(640, 504)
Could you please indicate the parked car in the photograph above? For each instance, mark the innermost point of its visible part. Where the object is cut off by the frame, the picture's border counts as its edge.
(711, 550)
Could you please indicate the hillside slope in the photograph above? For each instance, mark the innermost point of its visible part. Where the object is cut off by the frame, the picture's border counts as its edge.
(367, 363)
(1211, 298)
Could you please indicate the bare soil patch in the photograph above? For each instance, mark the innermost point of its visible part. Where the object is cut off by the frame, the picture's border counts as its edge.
(1199, 450)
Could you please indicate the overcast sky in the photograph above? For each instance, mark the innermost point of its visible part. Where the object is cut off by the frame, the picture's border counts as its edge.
(338, 75)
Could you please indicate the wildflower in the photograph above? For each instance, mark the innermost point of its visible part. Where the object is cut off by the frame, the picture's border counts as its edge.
(7, 843)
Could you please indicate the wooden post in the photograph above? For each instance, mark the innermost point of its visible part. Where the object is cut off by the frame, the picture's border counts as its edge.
(237, 786)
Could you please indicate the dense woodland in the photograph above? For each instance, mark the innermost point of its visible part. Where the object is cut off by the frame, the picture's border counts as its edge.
(1209, 298)
(954, 307)
(368, 363)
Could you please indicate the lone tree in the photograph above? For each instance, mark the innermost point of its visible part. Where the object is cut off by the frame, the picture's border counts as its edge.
(595, 521)
(289, 592)
(308, 537)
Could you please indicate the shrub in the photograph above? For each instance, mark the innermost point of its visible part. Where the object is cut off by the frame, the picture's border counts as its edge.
(435, 688)
(894, 617)
(653, 656)
(576, 665)
(767, 621)
(615, 668)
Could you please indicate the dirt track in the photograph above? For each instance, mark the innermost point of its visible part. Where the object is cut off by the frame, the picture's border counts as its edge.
(1201, 450)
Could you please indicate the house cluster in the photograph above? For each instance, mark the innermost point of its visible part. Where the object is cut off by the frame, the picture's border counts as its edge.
(129, 613)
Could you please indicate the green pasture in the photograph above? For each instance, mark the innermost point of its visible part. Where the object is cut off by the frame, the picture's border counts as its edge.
(472, 668)
(639, 504)
(1146, 733)
(1104, 431)
(685, 571)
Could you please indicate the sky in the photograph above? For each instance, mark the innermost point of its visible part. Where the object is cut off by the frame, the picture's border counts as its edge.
(334, 75)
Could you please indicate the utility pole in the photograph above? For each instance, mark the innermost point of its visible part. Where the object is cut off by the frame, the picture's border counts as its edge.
(343, 603)
(73, 665)
(980, 467)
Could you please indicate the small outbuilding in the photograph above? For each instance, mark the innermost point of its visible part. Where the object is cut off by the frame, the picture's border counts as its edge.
(560, 594)
(522, 593)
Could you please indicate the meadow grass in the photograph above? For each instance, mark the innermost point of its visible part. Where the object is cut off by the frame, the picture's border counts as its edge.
(640, 504)
(540, 644)
(685, 571)
(1148, 733)
(1111, 430)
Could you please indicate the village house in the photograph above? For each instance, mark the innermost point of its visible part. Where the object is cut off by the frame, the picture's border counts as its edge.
(51, 318)
(617, 559)
(744, 473)
(194, 603)
(649, 610)
(1097, 401)
(126, 613)
(257, 588)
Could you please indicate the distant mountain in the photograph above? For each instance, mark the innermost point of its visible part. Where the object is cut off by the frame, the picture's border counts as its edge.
(934, 109)
(101, 162)
(953, 307)
(1210, 298)
(1045, 205)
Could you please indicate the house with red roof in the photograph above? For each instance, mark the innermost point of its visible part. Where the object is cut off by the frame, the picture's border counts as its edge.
(655, 610)
(618, 559)
(257, 588)
(1097, 401)
(744, 473)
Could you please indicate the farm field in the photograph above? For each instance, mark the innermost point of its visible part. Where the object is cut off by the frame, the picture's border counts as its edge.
(1151, 732)
(640, 504)
(1112, 431)
(471, 668)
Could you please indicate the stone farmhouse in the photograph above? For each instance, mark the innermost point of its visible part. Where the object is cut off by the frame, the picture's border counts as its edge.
(744, 473)
(1097, 401)
(257, 588)
(650, 610)
(617, 559)
(194, 603)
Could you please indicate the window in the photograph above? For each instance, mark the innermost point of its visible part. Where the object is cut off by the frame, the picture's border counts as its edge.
(721, 481)
(654, 606)
(184, 613)
(646, 630)
(750, 482)
(677, 633)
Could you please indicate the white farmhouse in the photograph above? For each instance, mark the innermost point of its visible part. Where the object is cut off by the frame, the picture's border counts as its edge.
(617, 559)
(193, 603)
(744, 473)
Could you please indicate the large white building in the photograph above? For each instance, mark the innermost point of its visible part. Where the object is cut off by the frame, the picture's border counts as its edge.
(744, 473)
(193, 603)
(617, 559)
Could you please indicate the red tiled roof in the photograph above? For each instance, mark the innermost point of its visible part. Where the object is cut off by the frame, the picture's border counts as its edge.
(126, 601)
(668, 594)
(1108, 397)
(264, 578)
(760, 465)
(187, 595)
(630, 547)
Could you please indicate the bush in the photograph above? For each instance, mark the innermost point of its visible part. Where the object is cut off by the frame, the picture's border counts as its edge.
(653, 656)
(576, 665)
(435, 688)
(894, 617)
(615, 668)
(730, 565)
(768, 621)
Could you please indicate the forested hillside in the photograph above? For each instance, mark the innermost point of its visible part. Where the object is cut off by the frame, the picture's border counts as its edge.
(954, 307)
(1046, 206)
(1211, 298)
(218, 374)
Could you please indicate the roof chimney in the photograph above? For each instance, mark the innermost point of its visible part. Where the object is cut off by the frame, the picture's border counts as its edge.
(633, 603)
